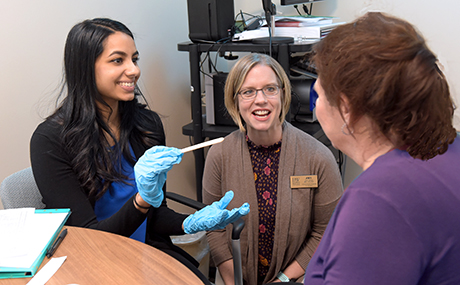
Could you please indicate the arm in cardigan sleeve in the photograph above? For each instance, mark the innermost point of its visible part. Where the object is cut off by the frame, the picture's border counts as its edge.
(218, 242)
(326, 197)
(60, 186)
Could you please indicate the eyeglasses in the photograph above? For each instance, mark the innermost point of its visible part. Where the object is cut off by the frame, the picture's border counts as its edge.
(270, 91)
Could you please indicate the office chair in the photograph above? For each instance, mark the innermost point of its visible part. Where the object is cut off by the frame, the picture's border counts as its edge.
(236, 231)
(19, 191)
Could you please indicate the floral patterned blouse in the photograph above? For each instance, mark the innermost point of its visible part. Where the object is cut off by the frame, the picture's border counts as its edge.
(265, 161)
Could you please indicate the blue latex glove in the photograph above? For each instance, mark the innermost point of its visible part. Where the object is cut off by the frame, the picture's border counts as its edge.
(150, 172)
(214, 216)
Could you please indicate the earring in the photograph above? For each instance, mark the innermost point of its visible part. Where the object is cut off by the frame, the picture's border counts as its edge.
(348, 128)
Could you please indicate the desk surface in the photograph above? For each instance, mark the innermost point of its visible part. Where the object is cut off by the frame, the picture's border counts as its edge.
(97, 257)
(243, 46)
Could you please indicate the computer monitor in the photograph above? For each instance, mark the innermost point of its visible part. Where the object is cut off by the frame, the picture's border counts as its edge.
(293, 2)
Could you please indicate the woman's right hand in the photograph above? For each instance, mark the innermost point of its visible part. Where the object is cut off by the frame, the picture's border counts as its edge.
(150, 172)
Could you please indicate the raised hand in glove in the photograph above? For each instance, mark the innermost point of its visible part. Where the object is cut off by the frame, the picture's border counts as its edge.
(214, 216)
(150, 172)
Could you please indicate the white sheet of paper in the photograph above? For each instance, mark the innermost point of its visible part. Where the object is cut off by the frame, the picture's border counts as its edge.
(14, 223)
(27, 238)
(47, 271)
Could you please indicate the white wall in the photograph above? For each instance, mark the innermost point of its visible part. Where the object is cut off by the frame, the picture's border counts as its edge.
(33, 35)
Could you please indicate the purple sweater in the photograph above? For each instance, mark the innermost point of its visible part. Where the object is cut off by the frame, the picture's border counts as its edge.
(397, 223)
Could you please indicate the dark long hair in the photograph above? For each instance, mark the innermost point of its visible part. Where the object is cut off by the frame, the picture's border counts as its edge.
(83, 127)
(386, 70)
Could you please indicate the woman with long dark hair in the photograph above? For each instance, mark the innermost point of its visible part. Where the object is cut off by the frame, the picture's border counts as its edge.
(83, 155)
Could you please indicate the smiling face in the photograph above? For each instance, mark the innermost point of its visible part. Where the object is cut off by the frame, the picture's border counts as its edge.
(261, 114)
(116, 69)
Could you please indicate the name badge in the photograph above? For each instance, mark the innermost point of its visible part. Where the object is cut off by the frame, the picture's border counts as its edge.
(304, 181)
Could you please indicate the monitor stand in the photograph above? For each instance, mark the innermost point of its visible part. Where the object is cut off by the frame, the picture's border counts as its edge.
(274, 40)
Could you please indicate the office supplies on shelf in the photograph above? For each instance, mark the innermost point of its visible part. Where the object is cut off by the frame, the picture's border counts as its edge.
(292, 2)
(308, 32)
(201, 145)
(298, 21)
(26, 236)
(318, 31)
(251, 34)
(56, 243)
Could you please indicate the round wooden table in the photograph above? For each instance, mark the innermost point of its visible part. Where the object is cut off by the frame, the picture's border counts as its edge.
(97, 257)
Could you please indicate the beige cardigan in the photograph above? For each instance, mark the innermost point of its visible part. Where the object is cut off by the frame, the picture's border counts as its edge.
(302, 214)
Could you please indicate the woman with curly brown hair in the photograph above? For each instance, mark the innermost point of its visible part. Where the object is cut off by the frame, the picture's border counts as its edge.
(385, 103)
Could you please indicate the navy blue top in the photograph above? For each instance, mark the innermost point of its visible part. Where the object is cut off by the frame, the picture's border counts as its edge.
(117, 195)
(60, 187)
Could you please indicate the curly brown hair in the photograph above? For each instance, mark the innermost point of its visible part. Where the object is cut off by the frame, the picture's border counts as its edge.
(387, 72)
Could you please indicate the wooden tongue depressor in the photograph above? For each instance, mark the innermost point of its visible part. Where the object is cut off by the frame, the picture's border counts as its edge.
(201, 145)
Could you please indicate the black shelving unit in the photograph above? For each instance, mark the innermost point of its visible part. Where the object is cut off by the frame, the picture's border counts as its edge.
(198, 129)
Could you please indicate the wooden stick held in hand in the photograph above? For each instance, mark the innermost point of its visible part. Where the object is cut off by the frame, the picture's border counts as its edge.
(201, 145)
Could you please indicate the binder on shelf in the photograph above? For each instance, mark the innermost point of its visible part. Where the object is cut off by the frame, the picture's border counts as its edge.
(31, 233)
(316, 32)
(298, 21)
(309, 32)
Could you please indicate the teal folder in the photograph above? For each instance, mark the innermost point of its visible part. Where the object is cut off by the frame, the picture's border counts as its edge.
(16, 272)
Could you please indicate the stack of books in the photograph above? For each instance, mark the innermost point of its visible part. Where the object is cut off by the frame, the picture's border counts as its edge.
(297, 27)
(298, 21)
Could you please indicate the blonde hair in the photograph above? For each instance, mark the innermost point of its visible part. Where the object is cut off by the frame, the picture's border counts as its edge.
(237, 76)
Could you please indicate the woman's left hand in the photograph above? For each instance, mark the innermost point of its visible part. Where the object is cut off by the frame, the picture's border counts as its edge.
(214, 216)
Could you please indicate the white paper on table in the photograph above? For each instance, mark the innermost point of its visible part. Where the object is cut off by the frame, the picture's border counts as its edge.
(14, 235)
(47, 271)
(26, 239)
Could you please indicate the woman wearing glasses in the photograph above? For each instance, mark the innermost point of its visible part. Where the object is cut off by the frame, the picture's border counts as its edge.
(291, 180)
